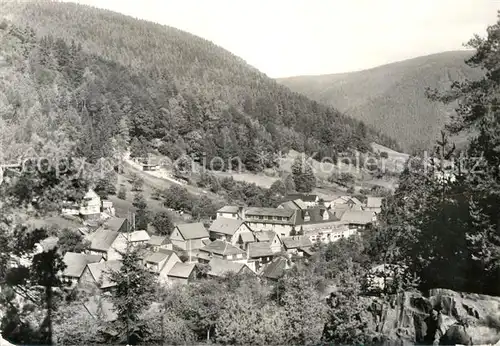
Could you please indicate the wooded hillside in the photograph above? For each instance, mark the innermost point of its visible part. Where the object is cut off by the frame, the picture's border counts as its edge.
(116, 76)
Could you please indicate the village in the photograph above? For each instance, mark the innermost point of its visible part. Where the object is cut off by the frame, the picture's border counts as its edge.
(264, 242)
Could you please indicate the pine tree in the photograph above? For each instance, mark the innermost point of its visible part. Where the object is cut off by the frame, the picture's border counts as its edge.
(134, 292)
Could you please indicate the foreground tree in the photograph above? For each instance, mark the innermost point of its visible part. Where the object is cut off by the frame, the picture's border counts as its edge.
(134, 292)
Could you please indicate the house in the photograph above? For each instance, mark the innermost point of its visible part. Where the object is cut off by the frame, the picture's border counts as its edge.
(350, 202)
(101, 308)
(359, 219)
(245, 239)
(183, 273)
(221, 267)
(76, 263)
(90, 207)
(221, 249)
(157, 242)
(308, 199)
(260, 253)
(118, 224)
(374, 204)
(228, 229)
(137, 238)
(230, 212)
(109, 244)
(296, 204)
(271, 237)
(160, 263)
(189, 236)
(327, 232)
(295, 245)
(96, 276)
(280, 221)
(274, 270)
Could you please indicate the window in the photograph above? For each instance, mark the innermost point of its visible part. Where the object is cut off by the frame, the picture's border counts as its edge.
(239, 256)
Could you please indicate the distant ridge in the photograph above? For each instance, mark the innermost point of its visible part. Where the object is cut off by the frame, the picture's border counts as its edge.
(392, 97)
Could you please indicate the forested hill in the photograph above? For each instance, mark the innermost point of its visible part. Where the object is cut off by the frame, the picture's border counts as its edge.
(110, 73)
(392, 97)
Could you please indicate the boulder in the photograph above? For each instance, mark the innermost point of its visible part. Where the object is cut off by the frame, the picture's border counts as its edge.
(465, 316)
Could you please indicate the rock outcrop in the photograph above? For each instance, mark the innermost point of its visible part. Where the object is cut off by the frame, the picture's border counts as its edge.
(402, 320)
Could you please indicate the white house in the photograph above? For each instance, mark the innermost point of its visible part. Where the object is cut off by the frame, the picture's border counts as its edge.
(280, 221)
(161, 262)
(90, 207)
(228, 229)
(189, 236)
(230, 212)
(109, 244)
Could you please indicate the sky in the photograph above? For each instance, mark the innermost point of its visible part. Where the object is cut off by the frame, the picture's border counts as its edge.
(307, 37)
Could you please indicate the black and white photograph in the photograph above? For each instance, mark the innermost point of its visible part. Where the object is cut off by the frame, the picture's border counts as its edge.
(249, 172)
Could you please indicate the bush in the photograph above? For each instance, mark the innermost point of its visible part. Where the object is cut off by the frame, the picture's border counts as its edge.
(384, 155)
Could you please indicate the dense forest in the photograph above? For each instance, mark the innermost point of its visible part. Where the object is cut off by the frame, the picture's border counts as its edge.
(98, 75)
(392, 98)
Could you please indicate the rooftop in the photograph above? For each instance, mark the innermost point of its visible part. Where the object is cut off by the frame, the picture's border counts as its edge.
(247, 237)
(304, 197)
(157, 257)
(225, 226)
(182, 270)
(264, 235)
(137, 236)
(357, 217)
(193, 230)
(102, 239)
(158, 240)
(257, 211)
(296, 242)
(222, 248)
(260, 249)
(275, 269)
(229, 209)
(220, 267)
(114, 223)
(76, 263)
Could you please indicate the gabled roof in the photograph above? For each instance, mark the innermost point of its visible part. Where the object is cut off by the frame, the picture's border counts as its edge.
(222, 248)
(91, 194)
(102, 239)
(316, 215)
(114, 223)
(302, 196)
(182, 270)
(225, 226)
(296, 242)
(257, 211)
(356, 201)
(260, 249)
(220, 267)
(247, 237)
(229, 209)
(137, 236)
(102, 271)
(374, 202)
(357, 217)
(158, 240)
(275, 269)
(159, 256)
(294, 205)
(264, 235)
(76, 263)
(193, 230)
(101, 306)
